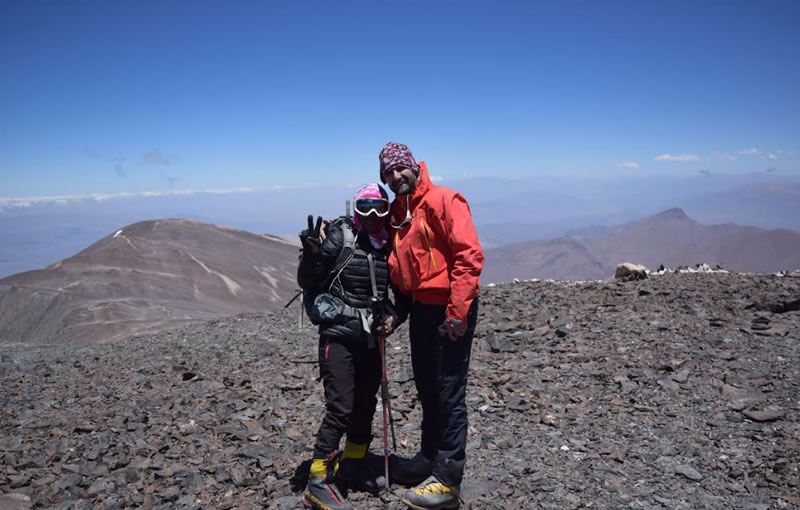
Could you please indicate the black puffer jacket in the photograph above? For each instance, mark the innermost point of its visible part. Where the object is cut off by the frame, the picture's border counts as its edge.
(353, 284)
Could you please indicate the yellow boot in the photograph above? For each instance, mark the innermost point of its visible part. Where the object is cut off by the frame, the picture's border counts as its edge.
(321, 492)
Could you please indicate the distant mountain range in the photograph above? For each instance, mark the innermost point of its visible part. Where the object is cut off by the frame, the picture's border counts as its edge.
(154, 275)
(670, 238)
(550, 210)
(38, 232)
(147, 277)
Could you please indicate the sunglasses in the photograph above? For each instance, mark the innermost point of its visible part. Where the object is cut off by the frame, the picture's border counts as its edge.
(387, 172)
(367, 206)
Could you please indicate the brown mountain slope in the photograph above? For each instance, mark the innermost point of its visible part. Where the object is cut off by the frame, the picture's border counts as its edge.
(562, 258)
(670, 238)
(147, 277)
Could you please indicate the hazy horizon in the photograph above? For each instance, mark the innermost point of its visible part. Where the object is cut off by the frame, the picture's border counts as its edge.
(504, 211)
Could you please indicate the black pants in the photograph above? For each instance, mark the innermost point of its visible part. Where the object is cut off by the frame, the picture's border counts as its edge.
(440, 373)
(351, 376)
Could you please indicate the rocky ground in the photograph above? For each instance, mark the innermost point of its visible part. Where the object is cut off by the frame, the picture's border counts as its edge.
(679, 391)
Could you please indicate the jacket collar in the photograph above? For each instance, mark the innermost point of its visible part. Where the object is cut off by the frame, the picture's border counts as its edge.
(424, 185)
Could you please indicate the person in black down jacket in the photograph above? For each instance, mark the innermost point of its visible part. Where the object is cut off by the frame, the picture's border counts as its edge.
(349, 361)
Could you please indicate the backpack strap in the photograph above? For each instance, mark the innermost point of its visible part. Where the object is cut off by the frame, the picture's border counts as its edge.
(373, 280)
(345, 254)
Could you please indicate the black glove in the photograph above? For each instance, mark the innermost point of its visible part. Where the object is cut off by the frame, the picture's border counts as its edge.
(386, 325)
(309, 237)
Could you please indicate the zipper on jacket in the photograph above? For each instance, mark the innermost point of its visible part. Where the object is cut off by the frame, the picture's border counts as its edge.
(399, 265)
(428, 239)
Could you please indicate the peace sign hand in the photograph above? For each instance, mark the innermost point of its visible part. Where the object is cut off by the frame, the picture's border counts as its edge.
(311, 237)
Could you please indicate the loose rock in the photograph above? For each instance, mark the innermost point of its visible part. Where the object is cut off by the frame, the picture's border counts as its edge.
(668, 379)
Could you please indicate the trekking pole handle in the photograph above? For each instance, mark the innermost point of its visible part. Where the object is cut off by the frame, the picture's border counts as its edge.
(376, 305)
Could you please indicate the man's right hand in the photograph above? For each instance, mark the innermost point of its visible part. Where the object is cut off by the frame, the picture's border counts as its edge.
(384, 328)
(311, 238)
(387, 325)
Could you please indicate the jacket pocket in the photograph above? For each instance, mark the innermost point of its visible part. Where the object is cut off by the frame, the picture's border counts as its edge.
(426, 259)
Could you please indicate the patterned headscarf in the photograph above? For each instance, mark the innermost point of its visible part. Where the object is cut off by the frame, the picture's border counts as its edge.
(394, 154)
(372, 190)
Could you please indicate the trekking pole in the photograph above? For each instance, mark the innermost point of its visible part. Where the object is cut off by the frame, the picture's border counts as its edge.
(385, 391)
(377, 312)
(385, 400)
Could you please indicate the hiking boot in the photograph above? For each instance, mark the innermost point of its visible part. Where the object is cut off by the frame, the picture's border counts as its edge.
(361, 474)
(322, 495)
(432, 495)
(413, 470)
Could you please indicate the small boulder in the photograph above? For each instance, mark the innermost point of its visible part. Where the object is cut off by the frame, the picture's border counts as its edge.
(629, 272)
(689, 472)
(499, 343)
(764, 416)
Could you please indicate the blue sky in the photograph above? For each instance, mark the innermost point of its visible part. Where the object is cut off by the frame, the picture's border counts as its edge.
(137, 96)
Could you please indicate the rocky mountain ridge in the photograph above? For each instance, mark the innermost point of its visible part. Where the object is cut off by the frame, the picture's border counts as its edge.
(147, 277)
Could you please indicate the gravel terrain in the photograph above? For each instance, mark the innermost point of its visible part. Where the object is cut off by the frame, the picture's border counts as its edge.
(681, 391)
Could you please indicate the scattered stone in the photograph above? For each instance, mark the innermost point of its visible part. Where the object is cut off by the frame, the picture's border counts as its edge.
(238, 475)
(15, 501)
(664, 501)
(755, 506)
(625, 384)
(499, 343)
(668, 384)
(680, 377)
(404, 375)
(689, 472)
(553, 421)
(651, 375)
(764, 416)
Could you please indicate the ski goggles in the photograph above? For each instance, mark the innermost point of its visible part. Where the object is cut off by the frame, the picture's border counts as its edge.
(366, 206)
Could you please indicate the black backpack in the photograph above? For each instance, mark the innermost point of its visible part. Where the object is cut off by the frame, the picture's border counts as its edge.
(320, 306)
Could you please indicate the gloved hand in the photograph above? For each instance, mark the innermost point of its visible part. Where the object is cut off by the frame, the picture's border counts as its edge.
(311, 238)
(386, 326)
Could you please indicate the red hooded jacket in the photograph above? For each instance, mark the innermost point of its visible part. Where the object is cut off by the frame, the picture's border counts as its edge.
(436, 258)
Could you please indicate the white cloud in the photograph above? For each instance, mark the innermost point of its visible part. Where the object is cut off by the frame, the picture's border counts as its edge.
(724, 156)
(772, 155)
(7, 203)
(229, 191)
(750, 152)
(436, 178)
(681, 157)
(628, 164)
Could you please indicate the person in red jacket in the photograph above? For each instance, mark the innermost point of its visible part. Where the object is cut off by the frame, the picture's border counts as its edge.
(434, 268)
